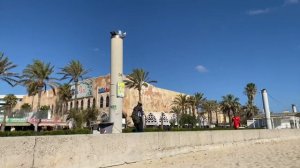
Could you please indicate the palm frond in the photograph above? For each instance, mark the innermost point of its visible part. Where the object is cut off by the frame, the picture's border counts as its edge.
(5, 67)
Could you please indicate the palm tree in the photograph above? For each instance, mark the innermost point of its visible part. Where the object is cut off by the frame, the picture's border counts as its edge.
(176, 110)
(32, 90)
(37, 76)
(199, 99)
(5, 67)
(26, 107)
(74, 71)
(195, 102)
(137, 79)
(11, 101)
(211, 106)
(192, 104)
(181, 101)
(230, 105)
(248, 112)
(64, 94)
(250, 91)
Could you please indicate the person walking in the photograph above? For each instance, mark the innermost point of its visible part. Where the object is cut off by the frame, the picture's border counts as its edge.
(137, 117)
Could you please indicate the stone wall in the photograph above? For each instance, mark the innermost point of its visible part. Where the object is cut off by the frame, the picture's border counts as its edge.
(77, 151)
(154, 99)
(48, 98)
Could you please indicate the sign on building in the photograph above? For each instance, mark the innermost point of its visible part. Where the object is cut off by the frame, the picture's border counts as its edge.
(85, 89)
(11, 120)
(103, 90)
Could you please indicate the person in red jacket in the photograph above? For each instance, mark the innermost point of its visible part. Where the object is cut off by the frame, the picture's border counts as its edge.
(236, 122)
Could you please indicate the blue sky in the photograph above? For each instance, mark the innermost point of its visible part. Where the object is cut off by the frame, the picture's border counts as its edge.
(209, 46)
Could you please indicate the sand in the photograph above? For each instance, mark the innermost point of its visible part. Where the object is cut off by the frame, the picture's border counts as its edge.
(268, 154)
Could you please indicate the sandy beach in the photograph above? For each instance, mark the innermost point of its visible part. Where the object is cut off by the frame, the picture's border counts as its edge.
(269, 154)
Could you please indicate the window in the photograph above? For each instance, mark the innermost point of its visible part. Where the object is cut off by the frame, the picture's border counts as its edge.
(151, 120)
(165, 119)
(107, 101)
(76, 104)
(71, 105)
(81, 105)
(94, 102)
(89, 103)
(101, 102)
(67, 106)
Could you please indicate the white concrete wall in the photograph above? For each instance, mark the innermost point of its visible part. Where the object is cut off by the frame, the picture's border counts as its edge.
(80, 151)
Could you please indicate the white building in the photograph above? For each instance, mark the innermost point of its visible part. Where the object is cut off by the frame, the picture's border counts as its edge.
(154, 118)
(2, 102)
(285, 120)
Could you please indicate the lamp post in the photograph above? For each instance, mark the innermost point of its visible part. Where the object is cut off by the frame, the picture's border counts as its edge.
(116, 81)
(266, 108)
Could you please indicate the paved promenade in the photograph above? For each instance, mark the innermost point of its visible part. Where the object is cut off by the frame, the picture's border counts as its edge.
(269, 154)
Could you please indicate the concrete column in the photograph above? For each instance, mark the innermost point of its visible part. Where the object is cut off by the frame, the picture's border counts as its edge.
(266, 108)
(116, 76)
(294, 108)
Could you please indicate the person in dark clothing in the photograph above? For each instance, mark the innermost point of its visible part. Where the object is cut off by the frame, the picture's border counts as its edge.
(137, 117)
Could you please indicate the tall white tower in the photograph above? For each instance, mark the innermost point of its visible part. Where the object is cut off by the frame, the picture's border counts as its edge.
(116, 81)
(294, 108)
(266, 108)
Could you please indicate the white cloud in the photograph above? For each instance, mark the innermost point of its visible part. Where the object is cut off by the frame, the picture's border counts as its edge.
(201, 69)
(291, 2)
(272, 9)
(258, 11)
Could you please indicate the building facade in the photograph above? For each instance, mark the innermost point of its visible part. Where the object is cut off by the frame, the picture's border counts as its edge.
(2, 102)
(284, 120)
(96, 92)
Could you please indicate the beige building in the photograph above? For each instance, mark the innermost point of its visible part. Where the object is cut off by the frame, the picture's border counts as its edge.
(95, 92)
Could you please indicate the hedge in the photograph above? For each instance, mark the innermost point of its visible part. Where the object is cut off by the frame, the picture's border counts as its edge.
(42, 133)
(158, 129)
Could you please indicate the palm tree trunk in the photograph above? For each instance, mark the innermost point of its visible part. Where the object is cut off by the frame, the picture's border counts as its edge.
(217, 121)
(39, 100)
(9, 110)
(38, 108)
(4, 121)
(224, 115)
(76, 92)
(140, 95)
(32, 102)
(177, 118)
(162, 122)
(210, 118)
(251, 112)
(193, 109)
(230, 122)
(61, 108)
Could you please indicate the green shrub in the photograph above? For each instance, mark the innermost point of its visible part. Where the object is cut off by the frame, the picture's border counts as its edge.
(83, 116)
(17, 133)
(188, 120)
(56, 132)
(45, 108)
(157, 129)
